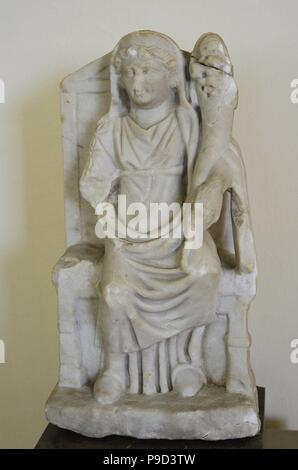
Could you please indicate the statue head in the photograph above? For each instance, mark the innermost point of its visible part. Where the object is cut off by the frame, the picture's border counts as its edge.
(148, 74)
(147, 68)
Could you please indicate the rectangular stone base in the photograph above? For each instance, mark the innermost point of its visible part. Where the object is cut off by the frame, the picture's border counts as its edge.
(212, 415)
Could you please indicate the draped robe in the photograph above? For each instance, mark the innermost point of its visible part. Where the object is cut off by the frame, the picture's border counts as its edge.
(146, 296)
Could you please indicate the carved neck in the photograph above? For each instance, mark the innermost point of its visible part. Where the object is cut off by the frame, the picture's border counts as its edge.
(147, 117)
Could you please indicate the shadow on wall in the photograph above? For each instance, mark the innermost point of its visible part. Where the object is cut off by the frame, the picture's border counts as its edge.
(31, 341)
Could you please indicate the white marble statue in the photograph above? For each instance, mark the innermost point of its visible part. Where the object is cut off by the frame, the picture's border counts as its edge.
(149, 327)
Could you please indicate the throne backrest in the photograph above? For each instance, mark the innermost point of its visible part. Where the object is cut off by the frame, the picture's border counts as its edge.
(85, 98)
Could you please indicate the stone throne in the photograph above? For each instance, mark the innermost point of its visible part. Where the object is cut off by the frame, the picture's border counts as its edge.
(230, 393)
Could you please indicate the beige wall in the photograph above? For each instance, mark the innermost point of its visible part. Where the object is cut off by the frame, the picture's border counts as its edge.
(41, 41)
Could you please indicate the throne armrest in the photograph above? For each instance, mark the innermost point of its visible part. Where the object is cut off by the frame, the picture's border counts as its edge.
(75, 277)
(237, 284)
(75, 254)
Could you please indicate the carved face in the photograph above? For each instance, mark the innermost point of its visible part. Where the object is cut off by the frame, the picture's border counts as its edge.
(146, 82)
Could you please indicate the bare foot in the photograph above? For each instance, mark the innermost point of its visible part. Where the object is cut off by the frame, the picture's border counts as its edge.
(107, 389)
(187, 381)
